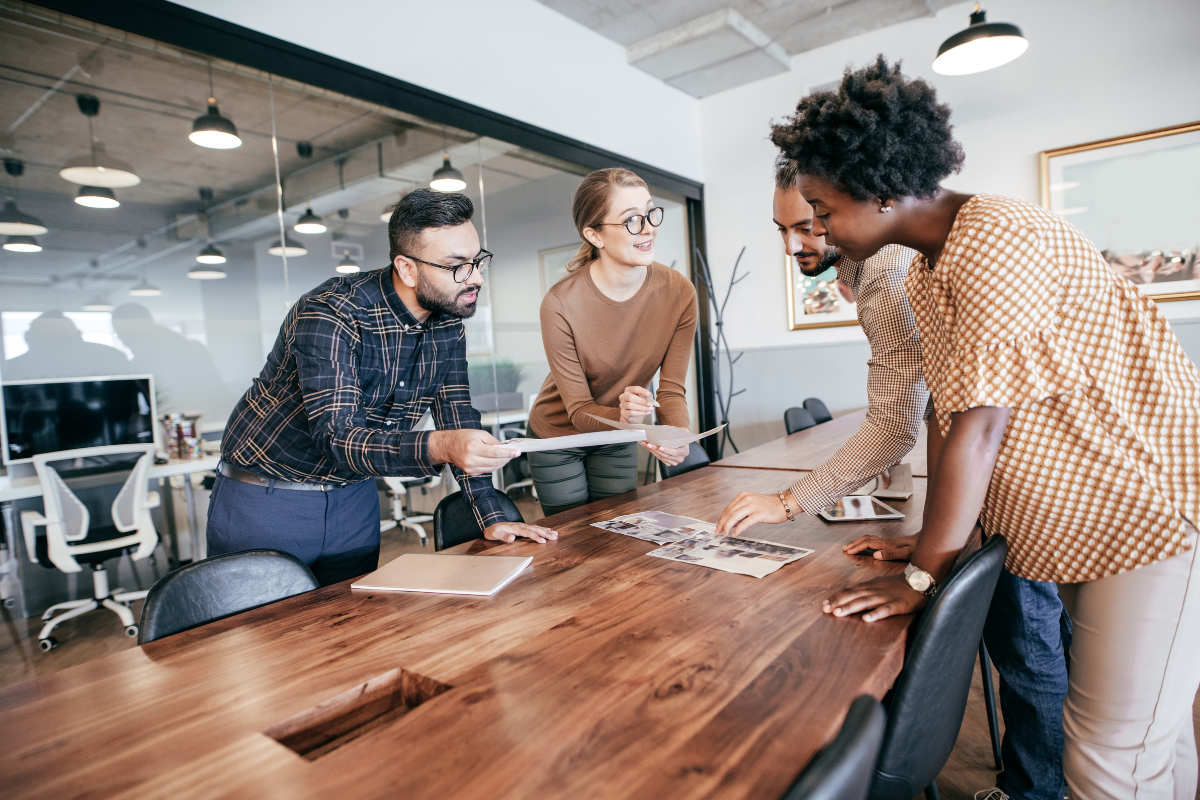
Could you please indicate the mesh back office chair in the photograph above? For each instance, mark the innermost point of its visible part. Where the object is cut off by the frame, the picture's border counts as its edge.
(453, 522)
(817, 408)
(696, 458)
(70, 540)
(843, 770)
(797, 419)
(219, 587)
(926, 705)
(398, 490)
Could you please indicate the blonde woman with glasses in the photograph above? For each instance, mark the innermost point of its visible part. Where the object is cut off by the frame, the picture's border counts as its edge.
(614, 321)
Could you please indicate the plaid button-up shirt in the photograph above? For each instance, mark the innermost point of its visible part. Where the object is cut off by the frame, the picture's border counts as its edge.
(349, 376)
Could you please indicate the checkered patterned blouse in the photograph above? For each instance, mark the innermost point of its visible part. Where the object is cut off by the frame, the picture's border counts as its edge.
(896, 394)
(351, 373)
(1102, 453)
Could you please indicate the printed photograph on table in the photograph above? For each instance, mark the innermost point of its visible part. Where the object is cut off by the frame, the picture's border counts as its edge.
(1132, 196)
(817, 302)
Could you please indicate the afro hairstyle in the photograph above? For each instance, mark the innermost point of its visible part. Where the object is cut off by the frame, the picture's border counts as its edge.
(879, 135)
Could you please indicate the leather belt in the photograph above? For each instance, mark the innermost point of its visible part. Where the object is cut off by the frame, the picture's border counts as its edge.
(254, 479)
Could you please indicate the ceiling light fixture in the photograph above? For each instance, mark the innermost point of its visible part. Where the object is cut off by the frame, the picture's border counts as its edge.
(386, 216)
(309, 223)
(210, 255)
(347, 266)
(446, 178)
(97, 197)
(291, 249)
(211, 129)
(144, 288)
(203, 274)
(97, 167)
(12, 221)
(98, 303)
(22, 244)
(981, 46)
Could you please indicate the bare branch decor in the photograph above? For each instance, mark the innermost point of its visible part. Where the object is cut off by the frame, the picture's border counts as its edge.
(725, 393)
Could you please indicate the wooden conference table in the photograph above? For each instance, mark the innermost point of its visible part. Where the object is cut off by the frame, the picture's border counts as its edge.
(599, 672)
(809, 449)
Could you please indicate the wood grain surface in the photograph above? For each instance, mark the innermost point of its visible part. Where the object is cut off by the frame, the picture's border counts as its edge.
(808, 449)
(598, 672)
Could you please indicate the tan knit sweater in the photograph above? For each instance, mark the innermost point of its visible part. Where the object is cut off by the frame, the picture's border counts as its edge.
(597, 346)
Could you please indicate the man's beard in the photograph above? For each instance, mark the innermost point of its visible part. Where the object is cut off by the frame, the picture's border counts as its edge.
(436, 302)
(827, 260)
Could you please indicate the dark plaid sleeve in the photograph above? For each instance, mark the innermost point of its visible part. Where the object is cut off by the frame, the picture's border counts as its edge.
(327, 346)
(452, 409)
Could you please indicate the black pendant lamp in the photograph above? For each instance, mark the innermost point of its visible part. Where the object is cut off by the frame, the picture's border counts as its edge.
(22, 244)
(347, 266)
(96, 169)
(446, 178)
(12, 221)
(982, 46)
(309, 223)
(211, 129)
(97, 197)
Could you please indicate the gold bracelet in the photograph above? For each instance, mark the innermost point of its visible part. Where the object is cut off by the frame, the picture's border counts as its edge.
(783, 499)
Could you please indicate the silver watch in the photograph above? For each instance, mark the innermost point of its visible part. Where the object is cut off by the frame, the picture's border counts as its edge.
(919, 580)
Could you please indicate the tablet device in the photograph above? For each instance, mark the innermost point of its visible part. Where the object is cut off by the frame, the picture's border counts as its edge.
(859, 509)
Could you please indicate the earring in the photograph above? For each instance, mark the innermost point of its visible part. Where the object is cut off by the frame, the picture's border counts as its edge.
(884, 209)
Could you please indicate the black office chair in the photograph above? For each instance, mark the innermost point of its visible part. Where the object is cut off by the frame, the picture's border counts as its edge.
(797, 419)
(453, 522)
(696, 458)
(927, 703)
(818, 410)
(843, 770)
(220, 587)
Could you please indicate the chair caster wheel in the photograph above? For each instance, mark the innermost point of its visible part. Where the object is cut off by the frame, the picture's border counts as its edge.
(131, 631)
(48, 644)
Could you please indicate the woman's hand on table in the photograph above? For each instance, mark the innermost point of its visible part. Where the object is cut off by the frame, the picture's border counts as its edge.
(748, 509)
(899, 548)
(876, 599)
(511, 531)
(636, 404)
(667, 455)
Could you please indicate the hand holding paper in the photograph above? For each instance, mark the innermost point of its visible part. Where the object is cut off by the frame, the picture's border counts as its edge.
(661, 435)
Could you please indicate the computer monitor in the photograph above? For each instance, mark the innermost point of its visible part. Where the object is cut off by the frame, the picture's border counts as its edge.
(47, 416)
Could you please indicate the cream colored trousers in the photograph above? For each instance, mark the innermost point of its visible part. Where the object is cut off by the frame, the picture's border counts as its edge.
(1135, 669)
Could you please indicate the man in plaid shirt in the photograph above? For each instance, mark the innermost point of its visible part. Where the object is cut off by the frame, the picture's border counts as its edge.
(358, 362)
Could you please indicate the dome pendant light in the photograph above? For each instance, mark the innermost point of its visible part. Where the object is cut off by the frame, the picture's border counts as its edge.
(97, 167)
(291, 249)
(206, 273)
(210, 255)
(211, 129)
(982, 46)
(309, 223)
(98, 303)
(22, 244)
(12, 221)
(144, 288)
(447, 178)
(347, 266)
(97, 197)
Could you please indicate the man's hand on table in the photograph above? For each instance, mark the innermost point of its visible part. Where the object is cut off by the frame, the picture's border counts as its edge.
(898, 548)
(748, 509)
(510, 531)
(473, 451)
(878, 598)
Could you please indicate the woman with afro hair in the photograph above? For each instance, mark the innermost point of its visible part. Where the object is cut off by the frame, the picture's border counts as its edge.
(1067, 420)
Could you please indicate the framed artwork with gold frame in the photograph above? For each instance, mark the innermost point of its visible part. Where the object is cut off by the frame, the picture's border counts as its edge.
(817, 302)
(1137, 197)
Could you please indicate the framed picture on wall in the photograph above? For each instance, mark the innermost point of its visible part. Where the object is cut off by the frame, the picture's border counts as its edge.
(1137, 198)
(552, 264)
(817, 302)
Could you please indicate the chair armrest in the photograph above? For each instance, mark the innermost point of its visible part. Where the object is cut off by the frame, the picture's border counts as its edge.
(152, 500)
(30, 520)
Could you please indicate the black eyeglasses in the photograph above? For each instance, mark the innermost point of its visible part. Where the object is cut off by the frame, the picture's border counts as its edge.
(637, 223)
(462, 271)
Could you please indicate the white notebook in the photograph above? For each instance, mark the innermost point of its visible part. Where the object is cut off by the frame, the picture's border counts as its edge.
(445, 574)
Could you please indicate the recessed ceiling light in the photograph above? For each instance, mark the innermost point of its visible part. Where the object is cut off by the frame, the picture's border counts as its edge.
(144, 288)
(981, 46)
(211, 255)
(446, 178)
(293, 249)
(309, 223)
(22, 244)
(97, 197)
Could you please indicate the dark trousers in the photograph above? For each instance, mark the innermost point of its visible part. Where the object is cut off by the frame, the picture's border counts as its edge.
(1028, 636)
(336, 533)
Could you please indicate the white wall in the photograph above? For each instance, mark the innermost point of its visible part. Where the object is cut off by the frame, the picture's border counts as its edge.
(1093, 70)
(515, 57)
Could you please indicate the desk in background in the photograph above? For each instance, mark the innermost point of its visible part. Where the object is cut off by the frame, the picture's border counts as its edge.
(599, 672)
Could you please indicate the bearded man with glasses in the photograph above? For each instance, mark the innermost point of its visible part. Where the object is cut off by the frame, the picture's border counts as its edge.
(358, 362)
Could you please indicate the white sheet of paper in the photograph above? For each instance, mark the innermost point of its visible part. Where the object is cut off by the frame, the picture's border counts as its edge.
(661, 435)
(575, 440)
